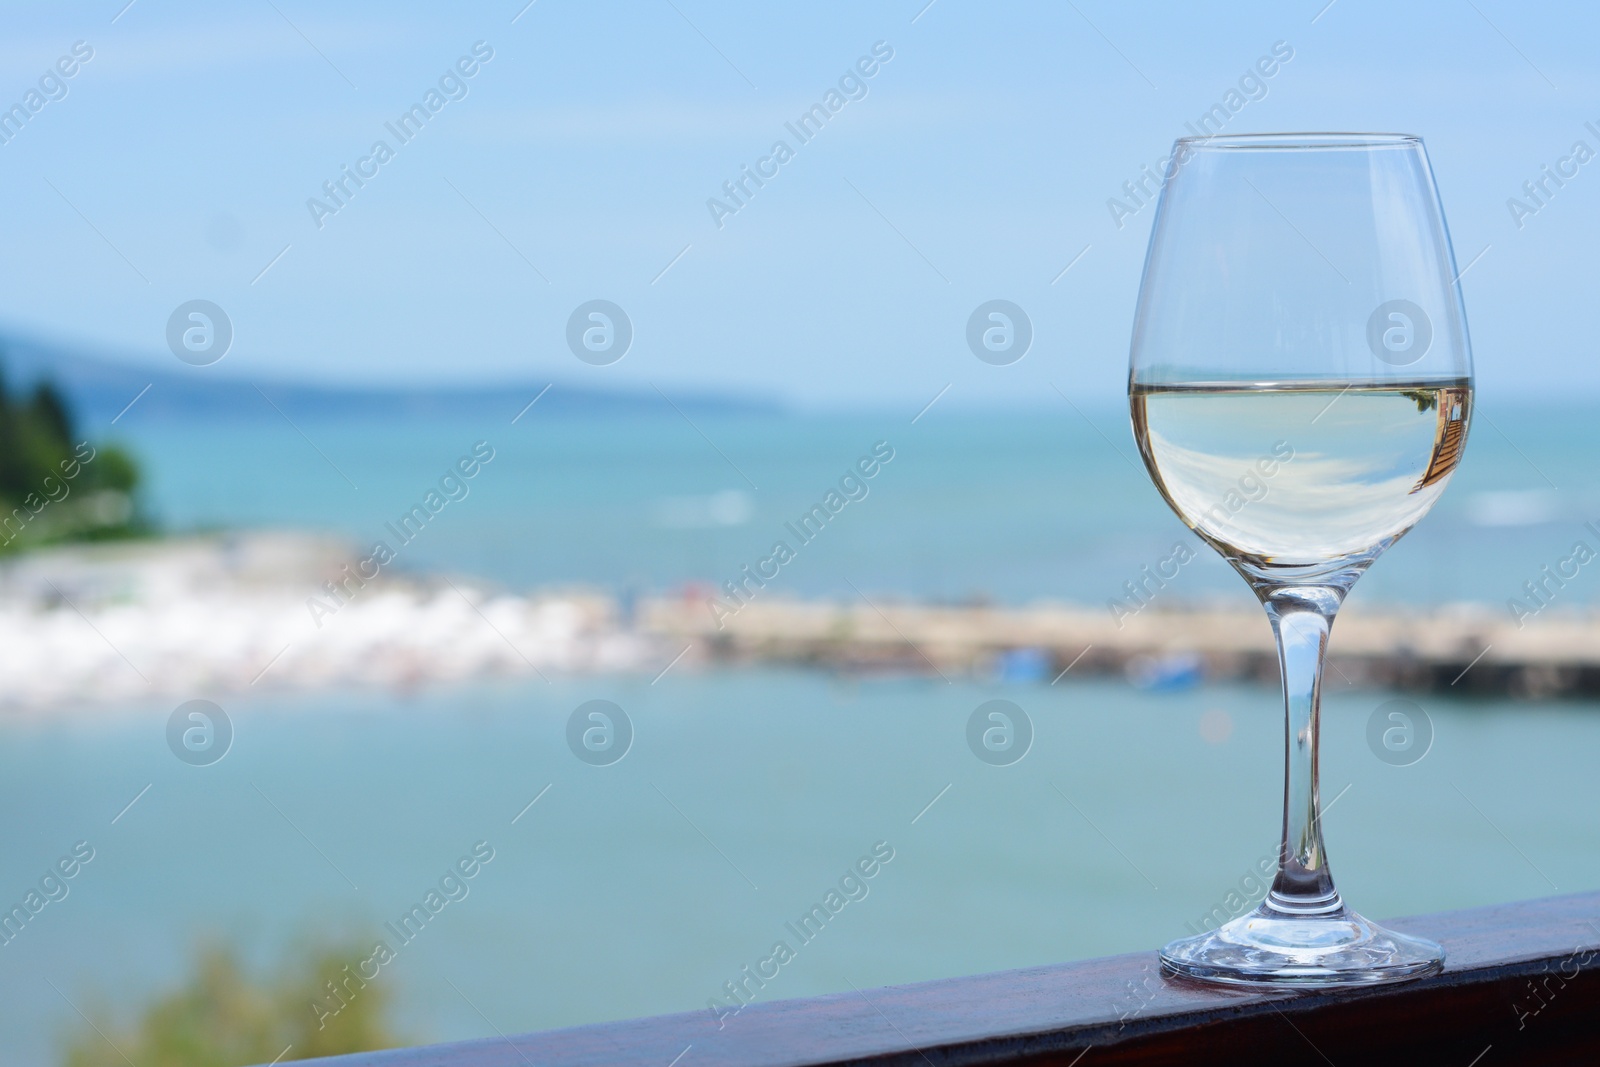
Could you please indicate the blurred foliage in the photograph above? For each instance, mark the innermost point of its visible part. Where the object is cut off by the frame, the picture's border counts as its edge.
(224, 1017)
(54, 485)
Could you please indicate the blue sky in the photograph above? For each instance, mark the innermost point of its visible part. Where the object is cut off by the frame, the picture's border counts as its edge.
(580, 160)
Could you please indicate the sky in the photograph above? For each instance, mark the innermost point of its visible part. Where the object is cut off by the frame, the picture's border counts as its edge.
(578, 160)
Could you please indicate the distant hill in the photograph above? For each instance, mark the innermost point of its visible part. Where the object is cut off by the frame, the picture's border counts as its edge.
(99, 386)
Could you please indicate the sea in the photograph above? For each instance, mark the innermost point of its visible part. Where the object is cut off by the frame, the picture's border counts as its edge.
(748, 795)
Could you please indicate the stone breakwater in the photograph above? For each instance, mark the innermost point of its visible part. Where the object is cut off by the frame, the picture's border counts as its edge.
(206, 617)
(1466, 648)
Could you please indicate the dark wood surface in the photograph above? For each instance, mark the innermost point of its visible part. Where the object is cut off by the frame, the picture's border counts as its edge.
(1521, 986)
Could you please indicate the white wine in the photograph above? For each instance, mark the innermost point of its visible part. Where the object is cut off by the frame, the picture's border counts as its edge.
(1301, 473)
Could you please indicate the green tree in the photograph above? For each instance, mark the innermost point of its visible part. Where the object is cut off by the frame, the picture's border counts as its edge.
(50, 408)
(222, 1016)
(55, 485)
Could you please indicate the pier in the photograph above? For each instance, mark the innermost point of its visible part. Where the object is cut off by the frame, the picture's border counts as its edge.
(1467, 649)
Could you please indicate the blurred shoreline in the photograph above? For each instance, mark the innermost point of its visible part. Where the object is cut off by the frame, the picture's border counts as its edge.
(209, 616)
(228, 613)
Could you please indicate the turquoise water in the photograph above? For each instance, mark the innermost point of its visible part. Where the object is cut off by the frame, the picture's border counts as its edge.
(1015, 507)
(605, 901)
(643, 886)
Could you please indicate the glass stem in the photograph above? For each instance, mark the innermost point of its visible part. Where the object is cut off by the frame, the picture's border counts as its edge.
(1301, 617)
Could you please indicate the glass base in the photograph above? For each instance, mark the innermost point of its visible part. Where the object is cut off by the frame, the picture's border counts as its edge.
(1270, 948)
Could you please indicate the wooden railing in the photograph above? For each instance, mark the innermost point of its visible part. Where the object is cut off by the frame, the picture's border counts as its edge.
(1521, 986)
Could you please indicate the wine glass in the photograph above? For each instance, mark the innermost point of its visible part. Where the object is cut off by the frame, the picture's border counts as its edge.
(1300, 386)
